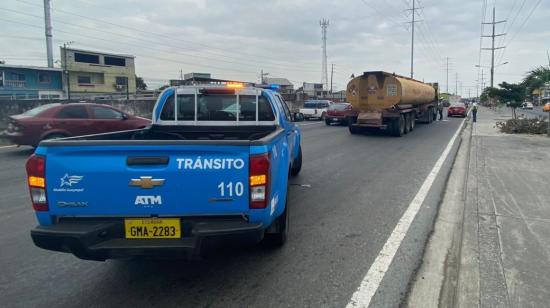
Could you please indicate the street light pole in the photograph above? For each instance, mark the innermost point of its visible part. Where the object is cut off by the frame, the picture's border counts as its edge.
(66, 70)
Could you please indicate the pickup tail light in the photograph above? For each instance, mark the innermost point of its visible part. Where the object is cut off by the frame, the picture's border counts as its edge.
(36, 179)
(260, 168)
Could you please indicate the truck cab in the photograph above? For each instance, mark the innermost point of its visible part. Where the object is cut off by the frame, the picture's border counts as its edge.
(213, 167)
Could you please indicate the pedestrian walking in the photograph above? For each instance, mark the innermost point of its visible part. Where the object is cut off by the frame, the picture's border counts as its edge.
(474, 112)
(440, 110)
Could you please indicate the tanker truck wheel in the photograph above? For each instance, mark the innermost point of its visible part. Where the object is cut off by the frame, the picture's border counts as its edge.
(398, 126)
(412, 121)
(407, 120)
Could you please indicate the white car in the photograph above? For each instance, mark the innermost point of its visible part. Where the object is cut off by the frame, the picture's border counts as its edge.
(527, 105)
(315, 109)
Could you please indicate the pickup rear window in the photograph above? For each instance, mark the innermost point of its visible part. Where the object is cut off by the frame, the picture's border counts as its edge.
(217, 107)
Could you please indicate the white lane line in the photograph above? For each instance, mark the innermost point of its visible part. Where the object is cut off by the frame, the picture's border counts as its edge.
(8, 146)
(370, 283)
(310, 123)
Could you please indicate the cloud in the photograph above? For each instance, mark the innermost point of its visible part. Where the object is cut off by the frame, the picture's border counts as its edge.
(236, 39)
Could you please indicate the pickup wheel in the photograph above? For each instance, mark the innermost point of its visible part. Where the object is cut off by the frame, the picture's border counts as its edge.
(327, 122)
(278, 238)
(297, 164)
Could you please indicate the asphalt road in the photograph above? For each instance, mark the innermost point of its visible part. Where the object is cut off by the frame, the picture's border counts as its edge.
(360, 187)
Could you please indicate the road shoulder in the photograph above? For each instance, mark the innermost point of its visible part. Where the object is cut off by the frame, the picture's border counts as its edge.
(491, 237)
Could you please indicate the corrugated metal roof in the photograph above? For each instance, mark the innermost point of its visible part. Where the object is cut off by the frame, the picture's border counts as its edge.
(279, 81)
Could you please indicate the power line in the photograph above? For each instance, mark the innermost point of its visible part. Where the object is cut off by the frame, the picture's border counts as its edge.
(293, 67)
(156, 34)
(523, 24)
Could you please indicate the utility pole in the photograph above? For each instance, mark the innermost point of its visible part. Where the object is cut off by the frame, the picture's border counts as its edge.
(493, 48)
(127, 90)
(181, 76)
(48, 25)
(413, 21)
(548, 56)
(324, 70)
(262, 75)
(456, 83)
(66, 69)
(447, 58)
(331, 75)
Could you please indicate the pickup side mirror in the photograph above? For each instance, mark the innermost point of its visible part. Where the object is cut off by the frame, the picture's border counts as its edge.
(125, 117)
(297, 117)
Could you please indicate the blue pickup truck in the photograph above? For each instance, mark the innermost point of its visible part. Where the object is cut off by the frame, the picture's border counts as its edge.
(213, 168)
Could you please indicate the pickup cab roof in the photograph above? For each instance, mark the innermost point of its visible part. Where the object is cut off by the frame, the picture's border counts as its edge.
(216, 105)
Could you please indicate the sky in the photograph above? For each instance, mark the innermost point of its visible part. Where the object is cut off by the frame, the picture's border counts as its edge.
(238, 39)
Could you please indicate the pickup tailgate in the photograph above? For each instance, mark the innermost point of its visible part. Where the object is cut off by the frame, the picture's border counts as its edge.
(143, 180)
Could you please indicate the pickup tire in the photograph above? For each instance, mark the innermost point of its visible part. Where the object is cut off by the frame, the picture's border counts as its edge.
(327, 122)
(278, 238)
(297, 164)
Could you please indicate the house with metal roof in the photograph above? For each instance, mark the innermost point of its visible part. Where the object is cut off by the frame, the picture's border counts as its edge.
(30, 82)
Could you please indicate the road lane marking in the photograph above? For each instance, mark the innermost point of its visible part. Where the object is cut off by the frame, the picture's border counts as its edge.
(8, 146)
(370, 283)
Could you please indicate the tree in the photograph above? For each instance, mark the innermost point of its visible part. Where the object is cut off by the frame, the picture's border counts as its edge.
(140, 84)
(487, 94)
(536, 78)
(512, 94)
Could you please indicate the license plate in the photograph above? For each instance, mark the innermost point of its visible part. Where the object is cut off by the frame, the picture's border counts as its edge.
(334, 119)
(152, 228)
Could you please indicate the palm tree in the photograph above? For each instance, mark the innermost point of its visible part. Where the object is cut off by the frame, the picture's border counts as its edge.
(536, 78)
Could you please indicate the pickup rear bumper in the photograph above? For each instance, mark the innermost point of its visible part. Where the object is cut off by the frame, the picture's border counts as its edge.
(104, 239)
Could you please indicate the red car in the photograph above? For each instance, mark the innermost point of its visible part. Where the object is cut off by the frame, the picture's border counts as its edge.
(457, 110)
(66, 120)
(337, 113)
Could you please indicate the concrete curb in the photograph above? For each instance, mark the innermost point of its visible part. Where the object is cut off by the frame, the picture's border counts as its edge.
(435, 283)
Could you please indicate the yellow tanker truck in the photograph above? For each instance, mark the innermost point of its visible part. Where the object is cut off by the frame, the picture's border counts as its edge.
(390, 102)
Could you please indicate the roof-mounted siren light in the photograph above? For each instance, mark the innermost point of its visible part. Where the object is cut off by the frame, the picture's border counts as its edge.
(234, 85)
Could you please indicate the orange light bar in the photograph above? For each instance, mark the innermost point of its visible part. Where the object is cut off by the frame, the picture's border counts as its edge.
(235, 85)
(36, 181)
(258, 180)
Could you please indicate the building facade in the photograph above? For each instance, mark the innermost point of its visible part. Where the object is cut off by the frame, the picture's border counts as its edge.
(95, 74)
(30, 82)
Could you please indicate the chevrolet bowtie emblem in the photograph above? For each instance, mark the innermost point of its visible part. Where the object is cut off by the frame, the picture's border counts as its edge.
(146, 182)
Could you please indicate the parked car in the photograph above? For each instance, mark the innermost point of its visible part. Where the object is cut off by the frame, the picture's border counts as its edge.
(337, 113)
(52, 121)
(315, 109)
(546, 107)
(527, 105)
(457, 109)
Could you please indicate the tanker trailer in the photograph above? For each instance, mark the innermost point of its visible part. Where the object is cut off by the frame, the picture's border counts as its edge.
(390, 102)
